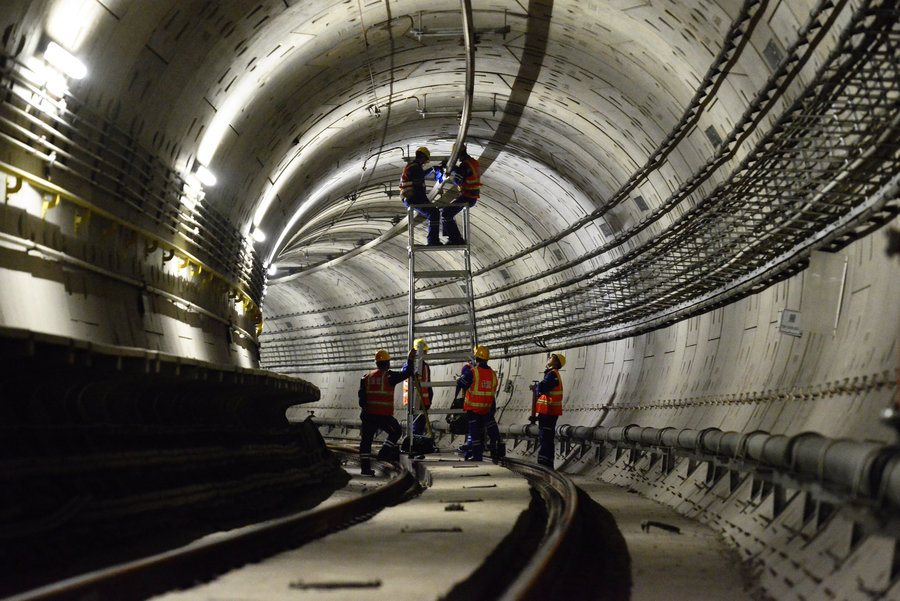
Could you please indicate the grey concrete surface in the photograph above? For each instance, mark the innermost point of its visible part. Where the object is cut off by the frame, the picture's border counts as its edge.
(415, 551)
(691, 565)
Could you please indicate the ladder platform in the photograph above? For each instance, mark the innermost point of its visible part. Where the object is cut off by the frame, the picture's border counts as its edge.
(453, 356)
(442, 302)
(441, 273)
(445, 329)
(434, 411)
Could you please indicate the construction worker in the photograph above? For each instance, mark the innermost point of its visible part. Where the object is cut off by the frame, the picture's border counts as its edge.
(376, 398)
(419, 423)
(467, 177)
(549, 407)
(414, 194)
(480, 384)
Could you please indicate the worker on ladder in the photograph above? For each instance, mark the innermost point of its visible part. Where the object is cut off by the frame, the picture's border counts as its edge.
(467, 177)
(549, 407)
(424, 393)
(480, 385)
(414, 194)
(376, 398)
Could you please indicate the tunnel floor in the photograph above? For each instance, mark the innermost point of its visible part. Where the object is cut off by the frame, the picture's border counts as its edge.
(692, 564)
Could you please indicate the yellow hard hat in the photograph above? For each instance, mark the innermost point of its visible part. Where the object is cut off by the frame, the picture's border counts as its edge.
(481, 352)
(424, 151)
(416, 344)
(559, 357)
(382, 355)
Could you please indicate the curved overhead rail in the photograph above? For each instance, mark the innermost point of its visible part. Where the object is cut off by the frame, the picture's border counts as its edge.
(735, 40)
(181, 567)
(754, 229)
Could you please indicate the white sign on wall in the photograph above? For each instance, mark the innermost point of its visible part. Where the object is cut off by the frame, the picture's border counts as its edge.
(790, 323)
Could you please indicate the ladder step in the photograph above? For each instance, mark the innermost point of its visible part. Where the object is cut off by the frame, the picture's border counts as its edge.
(444, 411)
(442, 273)
(426, 248)
(445, 329)
(442, 302)
(452, 356)
(438, 384)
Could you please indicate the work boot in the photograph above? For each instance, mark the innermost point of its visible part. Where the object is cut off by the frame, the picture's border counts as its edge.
(455, 241)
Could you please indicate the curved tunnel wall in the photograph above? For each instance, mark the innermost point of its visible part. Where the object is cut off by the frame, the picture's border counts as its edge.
(731, 368)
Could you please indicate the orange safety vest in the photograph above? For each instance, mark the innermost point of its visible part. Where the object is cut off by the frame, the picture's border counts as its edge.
(379, 393)
(480, 395)
(550, 403)
(426, 392)
(471, 187)
(408, 186)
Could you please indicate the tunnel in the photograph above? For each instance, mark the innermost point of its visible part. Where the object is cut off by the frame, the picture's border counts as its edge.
(694, 202)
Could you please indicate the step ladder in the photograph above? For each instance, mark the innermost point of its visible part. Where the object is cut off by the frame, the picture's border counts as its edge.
(453, 341)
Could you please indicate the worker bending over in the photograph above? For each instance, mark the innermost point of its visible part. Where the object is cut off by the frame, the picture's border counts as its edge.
(467, 177)
(414, 194)
(480, 384)
(376, 398)
(549, 407)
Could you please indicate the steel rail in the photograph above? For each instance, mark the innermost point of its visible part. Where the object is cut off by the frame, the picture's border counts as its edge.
(560, 496)
(181, 567)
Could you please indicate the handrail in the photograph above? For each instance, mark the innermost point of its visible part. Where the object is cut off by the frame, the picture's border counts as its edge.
(74, 199)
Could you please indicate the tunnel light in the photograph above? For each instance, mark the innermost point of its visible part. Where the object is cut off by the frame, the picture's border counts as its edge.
(62, 59)
(205, 176)
(258, 235)
(273, 269)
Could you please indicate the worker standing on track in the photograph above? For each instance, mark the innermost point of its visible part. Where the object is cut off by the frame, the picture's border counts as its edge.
(549, 407)
(419, 422)
(414, 194)
(376, 398)
(467, 176)
(480, 384)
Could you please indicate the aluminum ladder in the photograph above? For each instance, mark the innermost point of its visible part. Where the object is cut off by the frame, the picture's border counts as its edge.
(456, 339)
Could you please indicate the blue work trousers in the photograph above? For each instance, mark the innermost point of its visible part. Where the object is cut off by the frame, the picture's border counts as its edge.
(433, 214)
(448, 223)
(477, 424)
(546, 432)
(370, 425)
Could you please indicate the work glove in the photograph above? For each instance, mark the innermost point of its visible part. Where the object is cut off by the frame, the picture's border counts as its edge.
(439, 175)
(532, 420)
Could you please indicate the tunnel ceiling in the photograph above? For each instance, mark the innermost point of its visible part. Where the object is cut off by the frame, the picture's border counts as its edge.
(641, 159)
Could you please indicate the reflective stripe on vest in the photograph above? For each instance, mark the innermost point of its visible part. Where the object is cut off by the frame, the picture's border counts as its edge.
(379, 394)
(411, 187)
(480, 395)
(426, 392)
(550, 403)
(472, 185)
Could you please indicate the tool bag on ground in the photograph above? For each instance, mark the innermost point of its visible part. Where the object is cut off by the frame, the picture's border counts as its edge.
(421, 444)
(457, 421)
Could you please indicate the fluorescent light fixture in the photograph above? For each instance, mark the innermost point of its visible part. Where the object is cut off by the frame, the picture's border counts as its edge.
(258, 235)
(63, 60)
(205, 176)
(273, 269)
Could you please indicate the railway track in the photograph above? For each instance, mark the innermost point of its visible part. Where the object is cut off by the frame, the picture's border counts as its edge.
(554, 501)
